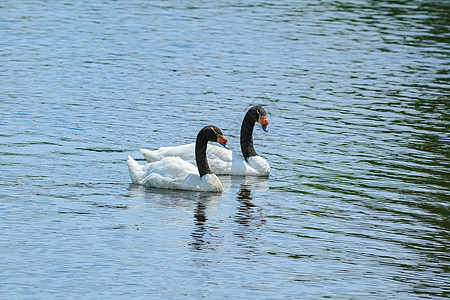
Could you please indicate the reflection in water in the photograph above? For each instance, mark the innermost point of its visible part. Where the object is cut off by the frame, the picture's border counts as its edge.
(203, 234)
(136, 191)
(359, 147)
(248, 217)
(200, 226)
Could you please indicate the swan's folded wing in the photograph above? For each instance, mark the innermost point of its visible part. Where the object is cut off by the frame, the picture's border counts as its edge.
(172, 167)
(227, 162)
(170, 173)
(192, 182)
(151, 155)
(185, 152)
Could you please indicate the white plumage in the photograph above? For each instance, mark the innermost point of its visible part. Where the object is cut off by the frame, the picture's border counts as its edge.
(221, 160)
(172, 173)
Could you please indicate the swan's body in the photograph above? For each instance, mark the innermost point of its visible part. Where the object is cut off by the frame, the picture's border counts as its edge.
(176, 173)
(172, 173)
(223, 161)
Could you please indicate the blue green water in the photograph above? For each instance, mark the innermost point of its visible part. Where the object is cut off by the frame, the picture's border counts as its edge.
(357, 95)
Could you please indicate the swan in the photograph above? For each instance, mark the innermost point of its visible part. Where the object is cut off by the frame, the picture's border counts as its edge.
(176, 173)
(225, 162)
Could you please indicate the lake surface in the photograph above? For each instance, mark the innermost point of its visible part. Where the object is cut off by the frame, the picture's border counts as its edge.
(357, 95)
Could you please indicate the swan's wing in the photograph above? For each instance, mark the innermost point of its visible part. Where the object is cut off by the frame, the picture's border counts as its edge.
(219, 159)
(172, 173)
(172, 167)
(175, 173)
(151, 155)
(185, 152)
(227, 162)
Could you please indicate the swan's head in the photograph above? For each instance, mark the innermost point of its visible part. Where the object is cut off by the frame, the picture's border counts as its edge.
(261, 117)
(217, 136)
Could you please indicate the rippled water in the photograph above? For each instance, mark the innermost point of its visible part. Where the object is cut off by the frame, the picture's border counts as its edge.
(357, 204)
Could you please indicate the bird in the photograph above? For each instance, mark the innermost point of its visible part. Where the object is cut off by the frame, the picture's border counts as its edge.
(172, 172)
(224, 162)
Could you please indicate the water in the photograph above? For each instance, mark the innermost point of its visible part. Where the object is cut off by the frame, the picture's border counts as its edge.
(357, 94)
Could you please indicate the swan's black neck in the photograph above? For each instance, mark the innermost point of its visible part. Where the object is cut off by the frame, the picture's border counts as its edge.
(200, 154)
(247, 133)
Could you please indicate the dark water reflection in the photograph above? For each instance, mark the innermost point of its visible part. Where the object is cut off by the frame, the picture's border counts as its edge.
(357, 204)
(203, 234)
(249, 216)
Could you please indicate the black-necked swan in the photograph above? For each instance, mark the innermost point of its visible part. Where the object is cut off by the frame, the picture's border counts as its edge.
(176, 173)
(222, 161)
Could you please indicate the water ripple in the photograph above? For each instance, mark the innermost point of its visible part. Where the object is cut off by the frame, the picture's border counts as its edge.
(357, 99)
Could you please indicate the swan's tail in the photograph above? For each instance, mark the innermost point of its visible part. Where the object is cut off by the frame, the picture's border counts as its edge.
(151, 156)
(137, 171)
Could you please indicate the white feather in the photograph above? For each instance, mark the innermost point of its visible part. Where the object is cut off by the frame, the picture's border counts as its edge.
(222, 161)
(172, 173)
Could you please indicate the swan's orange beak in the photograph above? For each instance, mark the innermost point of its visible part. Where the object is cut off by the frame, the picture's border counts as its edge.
(223, 141)
(264, 122)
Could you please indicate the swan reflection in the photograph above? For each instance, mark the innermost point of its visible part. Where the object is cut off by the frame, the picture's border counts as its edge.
(200, 226)
(208, 212)
(204, 234)
(248, 215)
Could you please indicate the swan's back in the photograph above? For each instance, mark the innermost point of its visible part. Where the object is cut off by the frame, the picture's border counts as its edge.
(185, 152)
(222, 161)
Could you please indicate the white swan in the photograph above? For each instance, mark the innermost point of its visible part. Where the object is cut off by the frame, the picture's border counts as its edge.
(225, 162)
(176, 173)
